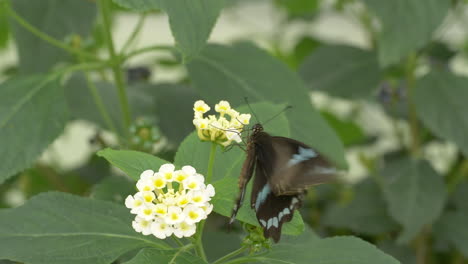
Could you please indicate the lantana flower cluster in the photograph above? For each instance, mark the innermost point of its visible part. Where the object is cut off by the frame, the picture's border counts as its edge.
(170, 202)
(222, 130)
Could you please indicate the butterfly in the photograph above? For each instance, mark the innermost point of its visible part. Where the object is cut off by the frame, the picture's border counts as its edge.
(284, 169)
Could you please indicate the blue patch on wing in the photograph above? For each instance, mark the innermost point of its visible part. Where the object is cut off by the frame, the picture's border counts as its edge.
(262, 195)
(303, 155)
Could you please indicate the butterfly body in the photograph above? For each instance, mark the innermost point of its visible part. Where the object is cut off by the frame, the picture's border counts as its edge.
(284, 168)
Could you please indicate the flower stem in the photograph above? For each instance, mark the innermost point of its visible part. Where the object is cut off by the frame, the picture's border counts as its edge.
(201, 225)
(209, 172)
(116, 67)
(134, 34)
(230, 255)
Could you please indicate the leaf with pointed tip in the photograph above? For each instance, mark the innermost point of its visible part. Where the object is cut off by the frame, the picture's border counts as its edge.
(407, 25)
(133, 163)
(59, 228)
(349, 250)
(32, 114)
(440, 101)
(415, 194)
(139, 5)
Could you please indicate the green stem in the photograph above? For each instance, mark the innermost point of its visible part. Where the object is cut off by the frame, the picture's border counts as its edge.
(209, 172)
(40, 34)
(147, 49)
(230, 255)
(177, 241)
(182, 249)
(413, 119)
(100, 104)
(134, 34)
(116, 68)
(201, 225)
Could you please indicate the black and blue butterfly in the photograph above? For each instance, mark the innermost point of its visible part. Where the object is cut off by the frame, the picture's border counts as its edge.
(284, 169)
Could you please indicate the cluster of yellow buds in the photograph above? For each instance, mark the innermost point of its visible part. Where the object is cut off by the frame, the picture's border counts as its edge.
(223, 130)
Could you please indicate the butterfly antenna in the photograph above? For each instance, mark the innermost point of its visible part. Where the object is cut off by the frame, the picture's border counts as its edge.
(251, 110)
(279, 113)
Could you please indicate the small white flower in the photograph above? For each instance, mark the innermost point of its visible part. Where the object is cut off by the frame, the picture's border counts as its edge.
(142, 226)
(210, 191)
(159, 181)
(167, 171)
(147, 175)
(134, 203)
(201, 107)
(199, 198)
(160, 210)
(244, 118)
(144, 185)
(161, 229)
(174, 215)
(193, 214)
(148, 197)
(147, 211)
(233, 134)
(233, 113)
(222, 107)
(201, 123)
(183, 200)
(194, 182)
(208, 208)
(189, 170)
(184, 230)
(180, 176)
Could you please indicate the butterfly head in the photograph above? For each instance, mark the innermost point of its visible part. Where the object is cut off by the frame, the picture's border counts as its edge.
(257, 128)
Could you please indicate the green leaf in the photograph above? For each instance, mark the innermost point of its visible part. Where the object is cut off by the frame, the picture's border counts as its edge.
(4, 27)
(55, 228)
(170, 113)
(82, 105)
(405, 254)
(407, 25)
(243, 70)
(32, 115)
(415, 194)
(298, 8)
(342, 71)
(349, 250)
(440, 101)
(348, 131)
(191, 22)
(150, 255)
(114, 189)
(195, 152)
(365, 214)
(133, 163)
(57, 18)
(139, 5)
(452, 227)
(227, 191)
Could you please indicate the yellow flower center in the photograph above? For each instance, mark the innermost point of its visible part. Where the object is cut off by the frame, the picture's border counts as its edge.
(197, 199)
(146, 188)
(183, 201)
(200, 109)
(159, 183)
(137, 203)
(168, 175)
(192, 185)
(147, 211)
(174, 216)
(181, 177)
(144, 223)
(160, 211)
(193, 215)
(148, 198)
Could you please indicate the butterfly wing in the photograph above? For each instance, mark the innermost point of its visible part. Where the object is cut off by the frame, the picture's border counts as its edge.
(284, 169)
(271, 210)
(297, 167)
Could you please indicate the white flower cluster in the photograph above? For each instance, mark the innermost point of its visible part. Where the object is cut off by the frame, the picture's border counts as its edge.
(222, 130)
(170, 202)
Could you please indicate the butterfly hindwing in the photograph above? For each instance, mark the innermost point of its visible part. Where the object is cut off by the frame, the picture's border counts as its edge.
(271, 210)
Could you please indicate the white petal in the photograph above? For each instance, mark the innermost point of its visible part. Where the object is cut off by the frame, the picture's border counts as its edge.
(189, 170)
(147, 174)
(167, 168)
